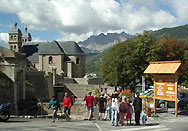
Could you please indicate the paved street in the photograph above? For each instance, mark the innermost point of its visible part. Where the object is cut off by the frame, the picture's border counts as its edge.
(166, 122)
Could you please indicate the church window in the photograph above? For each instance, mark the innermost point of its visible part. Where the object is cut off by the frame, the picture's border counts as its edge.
(15, 47)
(15, 37)
(77, 61)
(50, 60)
(11, 47)
(11, 37)
(25, 40)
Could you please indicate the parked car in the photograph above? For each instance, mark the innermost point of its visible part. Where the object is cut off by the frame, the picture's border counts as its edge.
(183, 102)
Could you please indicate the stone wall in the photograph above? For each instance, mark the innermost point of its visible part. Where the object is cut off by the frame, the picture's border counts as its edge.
(6, 90)
(79, 90)
(40, 83)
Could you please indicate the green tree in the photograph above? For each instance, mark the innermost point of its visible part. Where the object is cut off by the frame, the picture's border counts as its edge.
(126, 61)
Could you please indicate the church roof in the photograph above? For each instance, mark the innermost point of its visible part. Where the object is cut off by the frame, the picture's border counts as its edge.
(51, 48)
(70, 47)
(34, 49)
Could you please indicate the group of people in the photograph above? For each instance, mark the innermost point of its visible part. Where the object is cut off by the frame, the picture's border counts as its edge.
(55, 105)
(117, 108)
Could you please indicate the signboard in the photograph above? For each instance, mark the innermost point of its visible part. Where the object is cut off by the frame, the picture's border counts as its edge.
(165, 87)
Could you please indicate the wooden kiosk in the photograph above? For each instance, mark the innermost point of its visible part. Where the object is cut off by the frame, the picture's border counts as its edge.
(166, 74)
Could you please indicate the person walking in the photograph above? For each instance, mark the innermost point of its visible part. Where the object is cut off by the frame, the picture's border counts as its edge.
(89, 103)
(54, 105)
(115, 110)
(102, 106)
(123, 110)
(108, 109)
(137, 103)
(67, 103)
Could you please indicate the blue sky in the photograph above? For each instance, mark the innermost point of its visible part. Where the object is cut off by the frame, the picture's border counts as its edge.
(78, 19)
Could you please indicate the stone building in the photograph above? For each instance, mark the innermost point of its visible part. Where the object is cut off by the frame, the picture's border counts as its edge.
(13, 65)
(66, 56)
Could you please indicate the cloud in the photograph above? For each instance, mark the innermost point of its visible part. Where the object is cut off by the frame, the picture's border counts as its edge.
(160, 19)
(4, 39)
(181, 8)
(76, 19)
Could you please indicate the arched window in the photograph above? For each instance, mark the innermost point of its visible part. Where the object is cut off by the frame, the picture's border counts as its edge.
(11, 37)
(50, 60)
(15, 47)
(11, 47)
(15, 37)
(77, 61)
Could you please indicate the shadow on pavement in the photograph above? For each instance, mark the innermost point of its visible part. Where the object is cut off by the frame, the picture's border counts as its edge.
(16, 121)
(152, 124)
(161, 111)
(183, 113)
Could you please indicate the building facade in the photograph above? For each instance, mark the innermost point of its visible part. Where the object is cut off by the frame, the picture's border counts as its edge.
(65, 56)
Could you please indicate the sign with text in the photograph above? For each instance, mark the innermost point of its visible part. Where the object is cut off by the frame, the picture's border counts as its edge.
(165, 87)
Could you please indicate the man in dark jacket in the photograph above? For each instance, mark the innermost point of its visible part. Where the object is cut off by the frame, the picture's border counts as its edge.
(137, 103)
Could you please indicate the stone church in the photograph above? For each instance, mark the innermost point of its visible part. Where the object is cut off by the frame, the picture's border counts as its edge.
(65, 56)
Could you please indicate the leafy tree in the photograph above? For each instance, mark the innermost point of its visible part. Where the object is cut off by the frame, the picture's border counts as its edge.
(126, 61)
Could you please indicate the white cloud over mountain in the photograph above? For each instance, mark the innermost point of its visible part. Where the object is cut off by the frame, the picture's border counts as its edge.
(76, 19)
(4, 39)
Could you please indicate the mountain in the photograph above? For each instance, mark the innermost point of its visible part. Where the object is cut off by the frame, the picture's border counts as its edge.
(180, 32)
(102, 42)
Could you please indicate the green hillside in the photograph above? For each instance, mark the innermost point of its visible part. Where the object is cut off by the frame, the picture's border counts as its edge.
(180, 32)
(92, 63)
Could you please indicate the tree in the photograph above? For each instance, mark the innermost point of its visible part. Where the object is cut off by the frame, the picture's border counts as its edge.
(126, 61)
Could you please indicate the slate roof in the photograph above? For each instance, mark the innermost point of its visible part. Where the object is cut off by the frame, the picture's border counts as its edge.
(51, 48)
(34, 49)
(70, 47)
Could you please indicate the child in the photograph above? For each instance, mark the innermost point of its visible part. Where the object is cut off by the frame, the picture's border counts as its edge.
(144, 117)
(129, 111)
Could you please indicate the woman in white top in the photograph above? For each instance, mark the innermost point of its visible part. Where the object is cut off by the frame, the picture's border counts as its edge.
(115, 110)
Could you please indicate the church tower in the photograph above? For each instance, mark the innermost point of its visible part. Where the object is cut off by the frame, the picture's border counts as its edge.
(26, 36)
(15, 39)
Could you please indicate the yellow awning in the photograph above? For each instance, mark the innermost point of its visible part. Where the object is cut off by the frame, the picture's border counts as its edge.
(164, 67)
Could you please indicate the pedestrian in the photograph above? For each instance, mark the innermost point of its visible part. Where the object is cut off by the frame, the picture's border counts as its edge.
(89, 103)
(129, 111)
(144, 117)
(108, 109)
(102, 106)
(73, 99)
(137, 103)
(54, 105)
(67, 103)
(115, 110)
(123, 110)
(119, 102)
